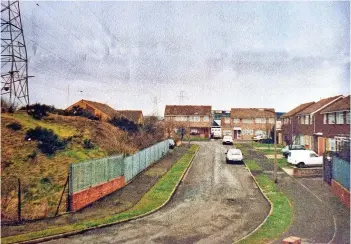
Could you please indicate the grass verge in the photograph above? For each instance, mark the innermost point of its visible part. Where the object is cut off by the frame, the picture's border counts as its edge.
(198, 139)
(158, 195)
(279, 218)
(252, 165)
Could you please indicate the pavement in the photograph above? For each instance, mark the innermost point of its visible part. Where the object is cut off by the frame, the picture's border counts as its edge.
(215, 203)
(319, 216)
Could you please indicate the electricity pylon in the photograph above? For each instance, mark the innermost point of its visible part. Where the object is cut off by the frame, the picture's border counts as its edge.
(14, 65)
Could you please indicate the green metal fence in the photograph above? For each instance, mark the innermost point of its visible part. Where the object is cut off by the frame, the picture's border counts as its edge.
(94, 172)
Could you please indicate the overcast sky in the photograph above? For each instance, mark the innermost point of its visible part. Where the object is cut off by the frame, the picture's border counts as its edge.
(136, 55)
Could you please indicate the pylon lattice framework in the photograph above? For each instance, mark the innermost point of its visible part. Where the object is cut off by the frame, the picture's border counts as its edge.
(14, 66)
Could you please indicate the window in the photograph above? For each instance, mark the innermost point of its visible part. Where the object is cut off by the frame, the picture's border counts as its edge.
(260, 133)
(307, 119)
(331, 118)
(247, 132)
(181, 118)
(206, 118)
(348, 117)
(271, 120)
(325, 119)
(313, 155)
(331, 144)
(248, 121)
(302, 120)
(236, 121)
(227, 120)
(260, 120)
(340, 118)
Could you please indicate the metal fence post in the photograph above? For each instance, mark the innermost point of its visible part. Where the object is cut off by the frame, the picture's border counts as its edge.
(19, 204)
(70, 187)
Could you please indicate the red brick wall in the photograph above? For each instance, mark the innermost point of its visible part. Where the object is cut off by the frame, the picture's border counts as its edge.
(83, 198)
(341, 192)
(307, 172)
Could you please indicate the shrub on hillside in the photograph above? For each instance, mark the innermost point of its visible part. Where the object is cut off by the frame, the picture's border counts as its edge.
(124, 124)
(14, 126)
(7, 107)
(87, 144)
(79, 111)
(38, 111)
(48, 142)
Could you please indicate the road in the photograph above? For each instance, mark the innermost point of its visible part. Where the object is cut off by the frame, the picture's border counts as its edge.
(215, 203)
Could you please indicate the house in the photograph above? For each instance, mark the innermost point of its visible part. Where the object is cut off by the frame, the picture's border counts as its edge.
(133, 115)
(244, 123)
(289, 123)
(194, 119)
(310, 124)
(334, 131)
(216, 128)
(101, 110)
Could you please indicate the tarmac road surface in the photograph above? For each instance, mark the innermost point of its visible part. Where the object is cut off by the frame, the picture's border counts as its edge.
(215, 203)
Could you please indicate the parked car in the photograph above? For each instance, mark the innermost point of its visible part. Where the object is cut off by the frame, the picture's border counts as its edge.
(234, 155)
(287, 149)
(227, 140)
(259, 137)
(171, 143)
(304, 158)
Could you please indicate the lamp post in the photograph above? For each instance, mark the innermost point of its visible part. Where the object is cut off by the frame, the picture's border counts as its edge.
(275, 150)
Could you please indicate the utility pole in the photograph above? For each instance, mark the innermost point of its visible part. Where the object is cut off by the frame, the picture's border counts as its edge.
(275, 149)
(14, 62)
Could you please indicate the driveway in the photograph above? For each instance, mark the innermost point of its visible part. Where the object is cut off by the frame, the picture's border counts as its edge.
(215, 203)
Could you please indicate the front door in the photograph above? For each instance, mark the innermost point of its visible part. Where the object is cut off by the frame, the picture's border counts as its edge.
(321, 145)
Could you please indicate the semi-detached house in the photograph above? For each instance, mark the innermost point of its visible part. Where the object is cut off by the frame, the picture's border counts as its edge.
(309, 120)
(195, 120)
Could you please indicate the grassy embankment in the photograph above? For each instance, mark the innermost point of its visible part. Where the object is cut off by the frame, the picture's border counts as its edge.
(43, 177)
(154, 199)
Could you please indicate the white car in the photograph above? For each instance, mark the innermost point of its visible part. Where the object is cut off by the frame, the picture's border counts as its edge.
(304, 158)
(234, 155)
(227, 140)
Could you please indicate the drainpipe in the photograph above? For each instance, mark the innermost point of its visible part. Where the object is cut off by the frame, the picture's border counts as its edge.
(314, 124)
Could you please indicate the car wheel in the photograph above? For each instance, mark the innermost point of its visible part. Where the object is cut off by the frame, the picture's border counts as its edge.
(227, 161)
(300, 165)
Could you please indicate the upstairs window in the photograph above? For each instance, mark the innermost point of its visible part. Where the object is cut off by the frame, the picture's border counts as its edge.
(260, 120)
(248, 121)
(206, 118)
(307, 119)
(340, 118)
(325, 119)
(227, 120)
(271, 120)
(236, 121)
(331, 118)
(348, 117)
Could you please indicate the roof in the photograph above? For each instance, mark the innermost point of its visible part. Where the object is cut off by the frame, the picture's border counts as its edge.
(187, 110)
(340, 105)
(297, 109)
(252, 113)
(132, 115)
(100, 106)
(319, 105)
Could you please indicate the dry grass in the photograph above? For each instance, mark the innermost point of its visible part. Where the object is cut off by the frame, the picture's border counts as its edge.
(43, 177)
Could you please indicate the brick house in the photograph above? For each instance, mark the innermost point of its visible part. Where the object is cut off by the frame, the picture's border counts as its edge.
(335, 128)
(103, 111)
(248, 122)
(133, 115)
(310, 124)
(196, 120)
(289, 123)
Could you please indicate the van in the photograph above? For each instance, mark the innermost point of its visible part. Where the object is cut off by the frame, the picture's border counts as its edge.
(304, 158)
